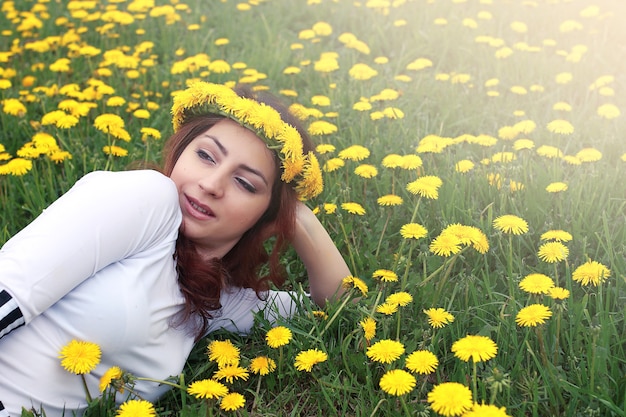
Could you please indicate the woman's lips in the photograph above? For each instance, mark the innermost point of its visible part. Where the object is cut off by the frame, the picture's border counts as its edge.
(198, 210)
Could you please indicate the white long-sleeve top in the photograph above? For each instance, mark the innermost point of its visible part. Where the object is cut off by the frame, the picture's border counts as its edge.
(97, 265)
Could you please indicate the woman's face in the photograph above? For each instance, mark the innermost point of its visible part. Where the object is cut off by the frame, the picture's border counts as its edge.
(224, 179)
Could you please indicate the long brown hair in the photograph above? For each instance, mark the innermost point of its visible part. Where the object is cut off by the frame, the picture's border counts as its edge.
(201, 281)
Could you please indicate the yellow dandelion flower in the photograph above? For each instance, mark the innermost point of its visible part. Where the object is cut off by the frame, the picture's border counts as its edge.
(558, 293)
(552, 252)
(354, 153)
(51, 118)
(16, 167)
(354, 282)
(464, 166)
(115, 101)
(422, 362)
(445, 244)
(330, 208)
(522, 144)
(114, 150)
(556, 187)
(223, 352)
(366, 171)
(564, 77)
(362, 106)
(536, 283)
(305, 360)
(468, 235)
(385, 275)
(141, 114)
(589, 155)
(510, 223)
(368, 325)
(591, 273)
(397, 382)
(324, 148)
(80, 357)
(387, 309)
(450, 399)
(608, 111)
(549, 151)
(419, 64)
(413, 231)
(262, 365)
(322, 29)
(320, 100)
(149, 132)
(503, 157)
(66, 121)
(389, 200)
(562, 106)
(207, 389)
(232, 401)
(411, 162)
(508, 133)
(278, 336)
(229, 373)
(13, 107)
(560, 126)
(333, 164)
(112, 378)
(401, 298)
(321, 127)
(385, 351)
(426, 186)
(353, 208)
(558, 235)
(533, 315)
(135, 408)
(486, 410)
(392, 161)
(108, 122)
(474, 347)
(322, 315)
(525, 126)
(362, 71)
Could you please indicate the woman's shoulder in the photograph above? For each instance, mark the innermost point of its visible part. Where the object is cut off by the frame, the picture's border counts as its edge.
(133, 177)
(142, 183)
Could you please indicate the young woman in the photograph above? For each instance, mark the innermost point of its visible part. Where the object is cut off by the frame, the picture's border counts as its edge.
(144, 263)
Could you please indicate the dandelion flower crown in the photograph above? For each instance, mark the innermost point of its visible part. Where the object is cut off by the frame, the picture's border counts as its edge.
(202, 98)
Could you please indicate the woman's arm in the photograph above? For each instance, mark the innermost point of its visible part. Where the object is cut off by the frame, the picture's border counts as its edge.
(105, 217)
(325, 266)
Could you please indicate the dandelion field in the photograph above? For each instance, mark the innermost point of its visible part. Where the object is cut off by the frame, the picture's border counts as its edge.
(473, 157)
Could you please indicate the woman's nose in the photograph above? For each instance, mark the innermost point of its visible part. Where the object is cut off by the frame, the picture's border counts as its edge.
(213, 184)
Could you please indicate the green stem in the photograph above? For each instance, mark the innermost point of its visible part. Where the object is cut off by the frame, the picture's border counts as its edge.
(474, 380)
(87, 394)
(336, 314)
(558, 335)
(404, 240)
(382, 234)
(405, 407)
(408, 266)
(398, 324)
(171, 384)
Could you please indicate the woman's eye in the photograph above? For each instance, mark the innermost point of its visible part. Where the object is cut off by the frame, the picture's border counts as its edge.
(246, 185)
(204, 155)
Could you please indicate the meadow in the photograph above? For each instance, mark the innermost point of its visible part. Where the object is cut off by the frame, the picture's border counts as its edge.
(473, 152)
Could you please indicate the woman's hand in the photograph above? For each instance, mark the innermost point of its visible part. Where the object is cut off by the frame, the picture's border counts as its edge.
(325, 266)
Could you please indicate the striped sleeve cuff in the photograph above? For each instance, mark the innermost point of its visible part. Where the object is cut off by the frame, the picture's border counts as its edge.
(10, 314)
(3, 412)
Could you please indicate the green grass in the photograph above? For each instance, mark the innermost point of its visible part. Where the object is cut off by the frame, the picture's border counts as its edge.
(573, 365)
